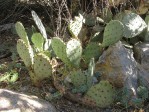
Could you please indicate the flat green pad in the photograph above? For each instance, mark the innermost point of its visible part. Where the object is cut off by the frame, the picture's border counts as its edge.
(25, 52)
(38, 41)
(21, 32)
(59, 48)
(42, 66)
(78, 78)
(74, 51)
(41, 28)
(90, 20)
(102, 94)
(107, 14)
(133, 25)
(147, 19)
(93, 50)
(113, 33)
(34, 79)
(76, 26)
(39, 24)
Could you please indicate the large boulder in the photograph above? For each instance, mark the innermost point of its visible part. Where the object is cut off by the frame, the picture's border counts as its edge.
(16, 102)
(118, 66)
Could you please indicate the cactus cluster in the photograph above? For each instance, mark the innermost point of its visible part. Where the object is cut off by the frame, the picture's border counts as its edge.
(33, 56)
(128, 26)
(78, 54)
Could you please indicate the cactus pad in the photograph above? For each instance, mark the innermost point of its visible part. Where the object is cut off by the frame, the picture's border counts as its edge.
(21, 32)
(93, 50)
(102, 94)
(39, 24)
(113, 33)
(41, 28)
(42, 66)
(83, 79)
(25, 52)
(90, 20)
(38, 41)
(74, 51)
(76, 26)
(147, 19)
(133, 25)
(107, 14)
(78, 78)
(34, 79)
(59, 48)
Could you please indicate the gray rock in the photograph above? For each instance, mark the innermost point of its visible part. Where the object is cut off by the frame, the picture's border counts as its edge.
(118, 66)
(16, 102)
(141, 53)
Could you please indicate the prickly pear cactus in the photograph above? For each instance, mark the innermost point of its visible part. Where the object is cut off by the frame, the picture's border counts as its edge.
(93, 50)
(90, 20)
(41, 28)
(34, 79)
(59, 48)
(74, 51)
(21, 32)
(133, 25)
(39, 24)
(113, 33)
(107, 14)
(76, 26)
(38, 41)
(101, 94)
(83, 79)
(147, 19)
(78, 78)
(42, 66)
(25, 52)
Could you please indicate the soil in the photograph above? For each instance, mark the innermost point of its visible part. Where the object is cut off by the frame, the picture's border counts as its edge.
(24, 85)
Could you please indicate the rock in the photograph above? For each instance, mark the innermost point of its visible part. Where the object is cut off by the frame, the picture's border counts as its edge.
(141, 54)
(118, 66)
(16, 102)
